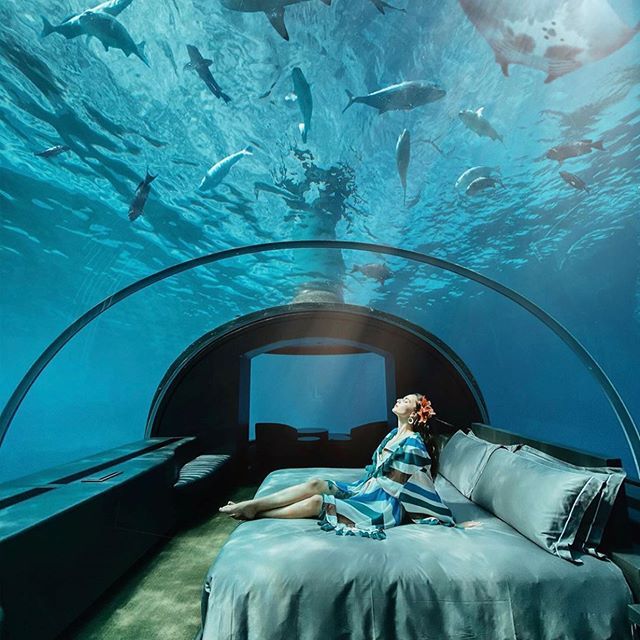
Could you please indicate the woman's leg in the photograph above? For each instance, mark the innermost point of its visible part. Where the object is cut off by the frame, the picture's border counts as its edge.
(247, 509)
(305, 508)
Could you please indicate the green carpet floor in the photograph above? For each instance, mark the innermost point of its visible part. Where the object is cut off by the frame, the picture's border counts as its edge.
(159, 599)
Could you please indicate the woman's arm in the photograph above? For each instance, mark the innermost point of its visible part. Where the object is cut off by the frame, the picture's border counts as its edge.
(370, 468)
(406, 476)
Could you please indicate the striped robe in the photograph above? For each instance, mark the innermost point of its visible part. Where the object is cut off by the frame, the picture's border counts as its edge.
(396, 485)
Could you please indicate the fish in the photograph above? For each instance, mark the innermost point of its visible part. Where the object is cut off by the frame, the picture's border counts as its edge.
(269, 188)
(573, 150)
(112, 7)
(166, 48)
(52, 151)
(302, 91)
(201, 66)
(188, 163)
(376, 271)
(476, 121)
(574, 181)
(433, 144)
(554, 36)
(140, 198)
(381, 5)
(482, 183)
(218, 172)
(403, 157)
(414, 201)
(472, 174)
(399, 97)
(267, 93)
(273, 9)
(70, 26)
(111, 33)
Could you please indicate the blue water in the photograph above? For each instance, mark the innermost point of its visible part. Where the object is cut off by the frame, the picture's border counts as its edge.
(66, 241)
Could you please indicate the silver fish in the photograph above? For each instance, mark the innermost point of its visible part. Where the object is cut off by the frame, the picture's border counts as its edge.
(476, 121)
(403, 157)
(218, 172)
(302, 91)
(52, 151)
(480, 184)
(472, 174)
(399, 97)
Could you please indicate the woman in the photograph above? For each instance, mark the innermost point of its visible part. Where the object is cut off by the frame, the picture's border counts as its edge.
(398, 483)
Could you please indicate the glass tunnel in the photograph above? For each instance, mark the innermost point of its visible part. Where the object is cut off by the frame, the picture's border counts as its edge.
(274, 264)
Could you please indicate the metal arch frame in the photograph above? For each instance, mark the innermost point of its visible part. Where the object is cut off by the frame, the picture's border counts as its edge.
(625, 419)
(202, 344)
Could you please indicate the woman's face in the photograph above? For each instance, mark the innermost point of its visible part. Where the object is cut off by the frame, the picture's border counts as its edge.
(405, 406)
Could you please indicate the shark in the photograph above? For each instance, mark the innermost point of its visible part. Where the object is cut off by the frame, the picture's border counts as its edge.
(111, 33)
(201, 66)
(273, 9)
(70, 27)
(554, 36)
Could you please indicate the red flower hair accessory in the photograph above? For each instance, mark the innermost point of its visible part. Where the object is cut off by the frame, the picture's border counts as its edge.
(425, 410)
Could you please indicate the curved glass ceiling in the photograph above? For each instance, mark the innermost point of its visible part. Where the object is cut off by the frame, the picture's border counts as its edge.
(96, 393)
(553, 214)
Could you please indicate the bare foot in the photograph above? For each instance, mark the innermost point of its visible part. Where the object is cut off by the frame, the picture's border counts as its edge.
(471, 524)
(244, 510)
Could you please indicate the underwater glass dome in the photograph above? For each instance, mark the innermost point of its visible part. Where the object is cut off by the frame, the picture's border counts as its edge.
(503, 139)
(173, 171)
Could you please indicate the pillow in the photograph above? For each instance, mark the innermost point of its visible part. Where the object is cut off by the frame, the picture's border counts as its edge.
(591, 529)
(544, 504)
(462, 460)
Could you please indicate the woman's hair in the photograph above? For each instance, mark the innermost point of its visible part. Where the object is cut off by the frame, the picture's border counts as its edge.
(419, 419)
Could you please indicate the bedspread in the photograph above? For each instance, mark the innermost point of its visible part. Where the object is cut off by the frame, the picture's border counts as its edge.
(281, 579)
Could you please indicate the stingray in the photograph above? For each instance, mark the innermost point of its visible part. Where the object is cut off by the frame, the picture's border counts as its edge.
(555, 36)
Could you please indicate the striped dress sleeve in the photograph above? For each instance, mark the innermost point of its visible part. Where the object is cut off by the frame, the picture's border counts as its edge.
(406, 475)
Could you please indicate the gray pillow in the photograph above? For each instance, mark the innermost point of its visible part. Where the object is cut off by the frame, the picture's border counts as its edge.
(462, 460)
(592, 527)
(544, 504)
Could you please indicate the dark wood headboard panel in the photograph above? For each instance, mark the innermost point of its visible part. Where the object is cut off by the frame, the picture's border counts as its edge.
(568, 454)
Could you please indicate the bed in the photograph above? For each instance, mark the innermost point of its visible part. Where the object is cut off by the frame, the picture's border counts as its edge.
(280, 579)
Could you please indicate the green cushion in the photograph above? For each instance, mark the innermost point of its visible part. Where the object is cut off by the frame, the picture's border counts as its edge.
(544, 504)
(462, 460)
(595, 519)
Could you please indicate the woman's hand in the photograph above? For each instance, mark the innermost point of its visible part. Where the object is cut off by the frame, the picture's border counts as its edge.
(470, 524)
